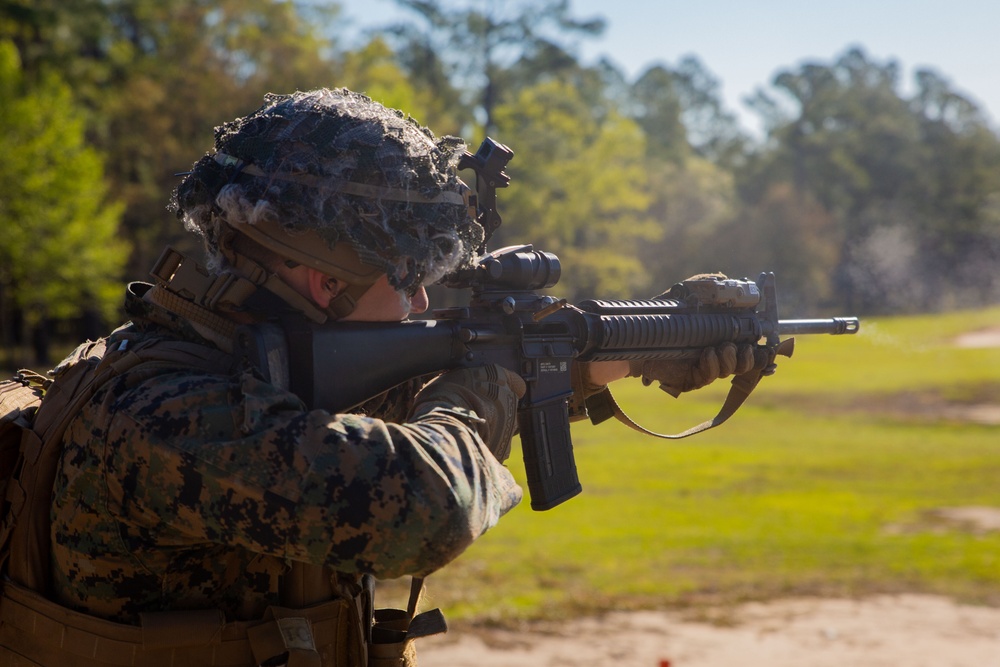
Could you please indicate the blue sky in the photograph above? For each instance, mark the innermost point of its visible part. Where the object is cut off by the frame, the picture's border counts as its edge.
(745, 42)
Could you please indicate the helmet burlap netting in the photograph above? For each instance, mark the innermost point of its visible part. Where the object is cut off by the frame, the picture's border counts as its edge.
(340, 164)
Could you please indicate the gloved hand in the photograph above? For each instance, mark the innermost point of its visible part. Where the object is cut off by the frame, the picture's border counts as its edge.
(491, 392)
(679, 375)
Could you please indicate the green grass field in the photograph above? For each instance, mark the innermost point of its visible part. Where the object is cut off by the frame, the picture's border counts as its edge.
(826, 482)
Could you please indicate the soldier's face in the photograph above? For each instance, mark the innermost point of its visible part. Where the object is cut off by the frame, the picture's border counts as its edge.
(382, 303)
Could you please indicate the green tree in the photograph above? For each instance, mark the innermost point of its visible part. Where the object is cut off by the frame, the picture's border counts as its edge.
(373, 70)
(850, 139)
(907, 180)
(60, 252)
(655, 103)
(186, 66)
(578, 189)
(712, 131)
(681, 111)
(157, 75)
(691, 204)
(475, 44)
(427, 70)
(959, 232)
(49, 35)
(791, 234)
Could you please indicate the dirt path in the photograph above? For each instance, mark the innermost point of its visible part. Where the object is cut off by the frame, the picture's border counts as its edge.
(982, 338)
(889, 631)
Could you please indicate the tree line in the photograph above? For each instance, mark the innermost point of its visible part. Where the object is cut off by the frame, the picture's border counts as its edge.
(860, 197)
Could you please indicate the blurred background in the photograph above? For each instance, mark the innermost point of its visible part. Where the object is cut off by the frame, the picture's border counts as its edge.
(869, 184)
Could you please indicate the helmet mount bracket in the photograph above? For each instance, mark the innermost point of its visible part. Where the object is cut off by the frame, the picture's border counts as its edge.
(488, 163)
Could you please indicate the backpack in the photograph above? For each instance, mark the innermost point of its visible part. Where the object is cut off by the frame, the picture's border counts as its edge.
(20, 397)
(25, 465)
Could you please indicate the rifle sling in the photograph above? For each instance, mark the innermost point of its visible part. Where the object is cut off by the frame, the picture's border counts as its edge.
(603, 406)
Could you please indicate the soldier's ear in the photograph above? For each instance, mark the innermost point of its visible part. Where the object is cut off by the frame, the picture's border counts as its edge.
(322, 288)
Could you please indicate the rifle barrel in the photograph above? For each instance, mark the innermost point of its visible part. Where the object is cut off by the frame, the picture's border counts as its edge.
(835, 326)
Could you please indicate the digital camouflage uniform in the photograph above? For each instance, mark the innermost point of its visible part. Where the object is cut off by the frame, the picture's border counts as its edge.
(184, 489)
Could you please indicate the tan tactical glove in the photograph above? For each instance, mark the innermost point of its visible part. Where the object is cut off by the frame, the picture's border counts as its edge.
(491, 392)
(679, 375)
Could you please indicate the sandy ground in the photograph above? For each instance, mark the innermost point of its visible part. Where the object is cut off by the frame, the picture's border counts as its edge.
(889, 631)
(985, 338)
(881, 631)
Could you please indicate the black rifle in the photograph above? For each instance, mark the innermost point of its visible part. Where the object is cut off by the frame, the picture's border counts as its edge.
(509, 322)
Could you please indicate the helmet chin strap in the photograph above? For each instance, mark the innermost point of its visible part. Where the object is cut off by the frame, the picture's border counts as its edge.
(345, 301)
(340, 262)
(307, 248)
(275, 284)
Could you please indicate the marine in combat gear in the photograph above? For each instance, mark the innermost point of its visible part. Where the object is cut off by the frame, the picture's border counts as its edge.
(203, 515)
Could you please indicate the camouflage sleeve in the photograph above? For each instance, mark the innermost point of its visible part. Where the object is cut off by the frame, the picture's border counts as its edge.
(395, 404)
(245, 464)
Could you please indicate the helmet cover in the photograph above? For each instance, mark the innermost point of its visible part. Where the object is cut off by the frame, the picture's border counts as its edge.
(339, 165)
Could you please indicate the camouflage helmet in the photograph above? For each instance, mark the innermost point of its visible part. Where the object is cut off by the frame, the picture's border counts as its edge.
(335, 180)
